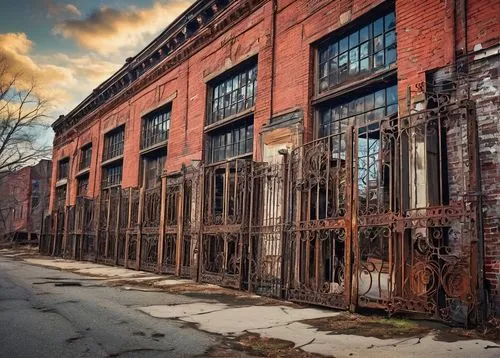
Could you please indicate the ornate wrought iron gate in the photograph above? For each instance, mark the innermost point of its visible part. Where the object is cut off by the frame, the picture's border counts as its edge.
(415, 230)
(225, 223)
(319, 245)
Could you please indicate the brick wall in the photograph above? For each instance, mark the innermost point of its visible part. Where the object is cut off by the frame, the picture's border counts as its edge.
(429, 37)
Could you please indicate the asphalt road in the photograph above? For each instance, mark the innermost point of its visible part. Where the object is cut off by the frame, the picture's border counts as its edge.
(50, 313)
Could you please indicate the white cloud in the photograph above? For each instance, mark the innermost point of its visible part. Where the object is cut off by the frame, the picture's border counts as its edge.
(55, 9)
(124, 32)
(64, 80)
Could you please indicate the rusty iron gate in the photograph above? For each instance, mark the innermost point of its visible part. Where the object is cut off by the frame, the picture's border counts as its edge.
(181, 210)
(415, 233)
(319, 216)
(381, 215)
(224, 232)
(265, 246)
(150, 229)
(108, 211)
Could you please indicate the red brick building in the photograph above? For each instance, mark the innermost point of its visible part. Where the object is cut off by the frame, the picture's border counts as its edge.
(24, 201)
(242, 79)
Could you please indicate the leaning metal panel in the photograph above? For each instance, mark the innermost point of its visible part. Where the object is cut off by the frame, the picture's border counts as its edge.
(225, 223)
(415, 223)
(318, 234)
(265, 248)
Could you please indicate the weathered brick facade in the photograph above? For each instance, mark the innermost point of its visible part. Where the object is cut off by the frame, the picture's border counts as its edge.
(22, 211)
(283, 36)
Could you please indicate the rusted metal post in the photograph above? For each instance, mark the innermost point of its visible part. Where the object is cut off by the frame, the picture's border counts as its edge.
(354, 250)
(97, 210)
(65, 231)
(284, 221)
(127, 230)
(180, 227)
(108, 216)
(139, 229)
(54, 230)
(350, 216)
(161, 231)
(117, 226)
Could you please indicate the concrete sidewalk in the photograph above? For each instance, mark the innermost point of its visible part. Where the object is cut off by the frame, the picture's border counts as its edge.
(256, 321)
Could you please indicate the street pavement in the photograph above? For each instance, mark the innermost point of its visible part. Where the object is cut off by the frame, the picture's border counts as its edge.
(50, 313)
(63, 308)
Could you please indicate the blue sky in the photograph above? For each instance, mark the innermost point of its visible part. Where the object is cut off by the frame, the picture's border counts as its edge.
(69, 47)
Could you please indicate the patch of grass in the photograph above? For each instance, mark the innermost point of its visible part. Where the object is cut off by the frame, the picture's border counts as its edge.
(369, 326)
(255, 345)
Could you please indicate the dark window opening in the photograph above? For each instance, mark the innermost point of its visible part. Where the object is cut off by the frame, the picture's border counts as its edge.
(152, 169)
(113, 143)
(369, 47)
(82, 185)
(233, 94)
(61, 196)
(155, 127)
(85, 157)
(112, 175)
(63, 168)
(234, 140)
(335, 117)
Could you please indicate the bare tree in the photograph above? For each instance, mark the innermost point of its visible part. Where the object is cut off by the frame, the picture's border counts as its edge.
(23, 117)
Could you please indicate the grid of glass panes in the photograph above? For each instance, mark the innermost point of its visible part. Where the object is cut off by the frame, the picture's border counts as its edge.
(364, 109)
(113, 143)
(233, 94)
(85, 157)
(63, 168)
(61, 195)
(155, 128)
(233, 142)
(83, 183)
(112, 175)
(365, 50)
(153, 169)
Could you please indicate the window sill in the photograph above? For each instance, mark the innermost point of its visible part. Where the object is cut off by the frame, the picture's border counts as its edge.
(112, 160)
(156, 146)
(227, 160)
(111, 187)
(375, 77)
(61, 182)
(83, 172)
(230, 119)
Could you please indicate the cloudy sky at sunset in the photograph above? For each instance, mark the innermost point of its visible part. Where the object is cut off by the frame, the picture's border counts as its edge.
(70, 47)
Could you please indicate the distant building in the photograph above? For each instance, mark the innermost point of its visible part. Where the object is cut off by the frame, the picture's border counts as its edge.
(24, 200)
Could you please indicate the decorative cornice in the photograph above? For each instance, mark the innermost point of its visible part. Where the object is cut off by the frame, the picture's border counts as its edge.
(181, 39)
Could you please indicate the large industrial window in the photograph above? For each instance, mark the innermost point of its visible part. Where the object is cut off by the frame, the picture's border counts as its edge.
(233, 94)
(61, 196)
(153, 165)
(85, 157)
(113, 143)
(112, 175)
(82, 185)
(373, 106)
(233, 141)
(63, 169)
(369, 47)
(155, 127)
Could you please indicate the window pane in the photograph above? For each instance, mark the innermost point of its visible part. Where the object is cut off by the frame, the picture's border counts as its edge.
(390, 21)
(366, 108)
(353, 39)
(378, 27)
(343, 45)
(368, 48)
